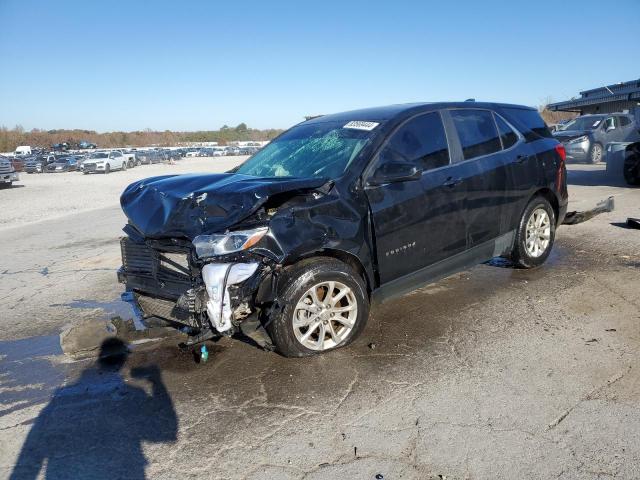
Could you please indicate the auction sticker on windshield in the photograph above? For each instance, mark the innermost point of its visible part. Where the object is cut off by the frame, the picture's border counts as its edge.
(359, 125)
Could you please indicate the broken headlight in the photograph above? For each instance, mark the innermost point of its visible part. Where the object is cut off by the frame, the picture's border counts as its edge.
(230, 242)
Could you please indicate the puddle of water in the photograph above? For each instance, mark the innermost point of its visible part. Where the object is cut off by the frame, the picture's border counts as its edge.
(27, 375)
(115, 308)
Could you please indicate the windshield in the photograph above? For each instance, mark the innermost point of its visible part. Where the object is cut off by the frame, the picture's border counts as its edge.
(309, 150)
(583, 123)
(99, 155)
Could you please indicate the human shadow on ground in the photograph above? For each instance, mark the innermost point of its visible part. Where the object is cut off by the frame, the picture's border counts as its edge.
(94, 428)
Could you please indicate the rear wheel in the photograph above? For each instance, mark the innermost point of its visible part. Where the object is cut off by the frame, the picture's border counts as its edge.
(326, 306)
(631, 169)
(535, 235)
(595, 153)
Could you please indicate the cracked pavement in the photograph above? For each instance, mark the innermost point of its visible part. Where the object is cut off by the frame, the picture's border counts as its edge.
(491, 373)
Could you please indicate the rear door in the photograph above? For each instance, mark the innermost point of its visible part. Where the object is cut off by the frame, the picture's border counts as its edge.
(484, 169)
(417, 222)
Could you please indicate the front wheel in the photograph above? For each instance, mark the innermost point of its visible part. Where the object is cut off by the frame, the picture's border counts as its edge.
(107, 169)
(123, 167)
(595, 154)
(536, 234)
(325, 306)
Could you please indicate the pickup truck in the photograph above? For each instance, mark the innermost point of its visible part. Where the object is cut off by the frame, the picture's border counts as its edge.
(130, 158)
(8, 174)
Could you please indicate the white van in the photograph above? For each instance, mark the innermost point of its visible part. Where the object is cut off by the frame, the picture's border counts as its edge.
(22, 151)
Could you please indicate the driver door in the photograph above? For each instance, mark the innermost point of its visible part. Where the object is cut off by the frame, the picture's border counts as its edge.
(416, 222)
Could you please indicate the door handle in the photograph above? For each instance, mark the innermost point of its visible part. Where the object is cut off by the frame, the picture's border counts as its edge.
(451, 182)
(522, 158)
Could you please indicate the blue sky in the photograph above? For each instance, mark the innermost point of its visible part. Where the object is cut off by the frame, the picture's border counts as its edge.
(129, 65)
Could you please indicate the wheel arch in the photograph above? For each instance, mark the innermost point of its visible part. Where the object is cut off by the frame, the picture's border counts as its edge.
(348, 258)
(551, 197)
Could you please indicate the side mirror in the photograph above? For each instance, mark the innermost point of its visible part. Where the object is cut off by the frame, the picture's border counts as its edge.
(395, 172)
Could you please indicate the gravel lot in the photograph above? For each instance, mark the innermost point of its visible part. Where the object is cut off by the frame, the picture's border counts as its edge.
(491, 373)
(52, 195)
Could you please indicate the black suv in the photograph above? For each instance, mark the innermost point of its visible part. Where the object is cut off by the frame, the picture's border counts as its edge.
(292, 246)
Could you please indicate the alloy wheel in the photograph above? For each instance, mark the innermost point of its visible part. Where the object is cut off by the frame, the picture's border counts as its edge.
(538, 235)
(325, 315)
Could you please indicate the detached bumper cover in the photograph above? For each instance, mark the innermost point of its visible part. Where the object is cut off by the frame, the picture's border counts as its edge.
(217, 278)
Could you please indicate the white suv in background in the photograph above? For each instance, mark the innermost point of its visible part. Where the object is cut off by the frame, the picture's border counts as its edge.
(104, 162)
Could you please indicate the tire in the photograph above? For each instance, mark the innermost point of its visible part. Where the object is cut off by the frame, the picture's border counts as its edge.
(123, 167)
(130, 164)
(631, 170)
(138, 163)
(524, 254)
(595, 153)
(107, 169)
(294, 289)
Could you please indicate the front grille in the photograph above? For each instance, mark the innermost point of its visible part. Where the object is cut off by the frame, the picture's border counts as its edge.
(6, 168)
(164, 273)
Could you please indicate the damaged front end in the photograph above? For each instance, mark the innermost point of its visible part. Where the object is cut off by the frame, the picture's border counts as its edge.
(206, 284)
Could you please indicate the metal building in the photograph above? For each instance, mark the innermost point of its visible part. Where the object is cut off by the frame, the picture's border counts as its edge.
(620, 97)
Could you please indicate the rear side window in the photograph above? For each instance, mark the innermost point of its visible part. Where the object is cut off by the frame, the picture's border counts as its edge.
(507, 135)
(528, 121)
(477, 132)
(422, 140)
(624, 121)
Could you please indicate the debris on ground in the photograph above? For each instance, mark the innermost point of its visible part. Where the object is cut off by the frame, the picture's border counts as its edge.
(605, 206)
(633, 223)
(372, 346)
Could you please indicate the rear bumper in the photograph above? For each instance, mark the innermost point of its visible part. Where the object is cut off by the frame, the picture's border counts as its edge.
(562, 212)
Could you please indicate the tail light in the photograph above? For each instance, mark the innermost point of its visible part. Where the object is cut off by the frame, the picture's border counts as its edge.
(562, 153)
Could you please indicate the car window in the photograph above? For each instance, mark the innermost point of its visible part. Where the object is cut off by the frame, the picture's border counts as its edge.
(477, 132)
(624, 121)
(422, 140)
(507, 135)
(610, 122)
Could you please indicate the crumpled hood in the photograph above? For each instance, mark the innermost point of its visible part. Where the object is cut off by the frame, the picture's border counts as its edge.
(194, 204)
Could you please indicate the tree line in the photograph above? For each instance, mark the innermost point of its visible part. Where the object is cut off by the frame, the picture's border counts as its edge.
(11, 138)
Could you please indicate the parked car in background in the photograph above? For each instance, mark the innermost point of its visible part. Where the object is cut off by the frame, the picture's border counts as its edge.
(22, 151)
(8, 174)
(63, 164)
(86, 145)
(104, 162)
(191, 153)
(294, 244)
(129, 157)
(147, 157)
(233, 151)
(38, 163)
(586, 137)
(18, 163)
(60, 147)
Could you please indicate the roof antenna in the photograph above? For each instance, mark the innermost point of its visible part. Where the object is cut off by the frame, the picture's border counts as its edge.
(470, 100)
